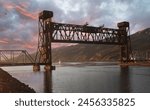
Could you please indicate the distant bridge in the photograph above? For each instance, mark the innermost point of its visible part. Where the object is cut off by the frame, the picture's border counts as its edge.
(18, 58)
(15, 58)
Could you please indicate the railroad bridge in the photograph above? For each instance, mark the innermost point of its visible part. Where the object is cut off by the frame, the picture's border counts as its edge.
(50, 32)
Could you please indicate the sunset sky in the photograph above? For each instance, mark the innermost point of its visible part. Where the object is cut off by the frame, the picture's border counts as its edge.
(19, 18)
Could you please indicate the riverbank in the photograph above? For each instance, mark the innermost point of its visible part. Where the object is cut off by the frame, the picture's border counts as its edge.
(9, 84)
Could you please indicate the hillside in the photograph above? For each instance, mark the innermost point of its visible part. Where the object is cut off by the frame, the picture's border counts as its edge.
(86, 52)
(141, 40)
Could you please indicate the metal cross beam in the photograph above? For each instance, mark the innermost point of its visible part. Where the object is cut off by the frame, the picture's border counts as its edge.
(71, 33)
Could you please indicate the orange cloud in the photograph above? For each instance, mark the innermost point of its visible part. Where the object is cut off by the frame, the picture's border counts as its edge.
(25, 12)
(4, 41)
(24, 4)
(29, 46)
(9, 6)
(21, 8)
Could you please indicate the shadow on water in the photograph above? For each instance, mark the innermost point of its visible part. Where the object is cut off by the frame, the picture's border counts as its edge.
(48, 81)
(125, 80)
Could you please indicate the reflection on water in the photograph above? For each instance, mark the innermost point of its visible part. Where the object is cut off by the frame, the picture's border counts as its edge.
(125, 80)
(48, 82)
(85, 78)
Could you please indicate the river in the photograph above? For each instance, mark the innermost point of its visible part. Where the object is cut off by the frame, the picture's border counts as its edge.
(94, 77)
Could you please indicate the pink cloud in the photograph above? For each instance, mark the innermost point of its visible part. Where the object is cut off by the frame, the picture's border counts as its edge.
(29, 46)
(22, 9)
(9, 6)
(24, 12)
(24, 4)
(3, 42)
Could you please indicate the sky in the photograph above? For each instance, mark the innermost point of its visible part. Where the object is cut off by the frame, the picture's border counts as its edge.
(19, 18)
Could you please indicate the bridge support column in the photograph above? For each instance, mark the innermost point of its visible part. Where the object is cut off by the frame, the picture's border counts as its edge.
(125, 43)
(49, 67)
(36, 67)
(44, 53)
(48, 81)
(124, 65)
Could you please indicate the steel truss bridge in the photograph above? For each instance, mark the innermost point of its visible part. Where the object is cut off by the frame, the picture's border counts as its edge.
(15, 58)
(50, 32)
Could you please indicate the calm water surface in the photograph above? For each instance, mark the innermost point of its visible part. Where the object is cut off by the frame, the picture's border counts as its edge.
(96, 77)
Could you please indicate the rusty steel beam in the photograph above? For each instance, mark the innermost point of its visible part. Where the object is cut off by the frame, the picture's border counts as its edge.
(71, 33)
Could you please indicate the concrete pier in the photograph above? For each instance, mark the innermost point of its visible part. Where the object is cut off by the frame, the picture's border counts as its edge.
(36, 67)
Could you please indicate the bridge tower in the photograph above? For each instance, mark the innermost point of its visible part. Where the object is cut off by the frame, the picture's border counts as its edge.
(126, 52)
(43, 55)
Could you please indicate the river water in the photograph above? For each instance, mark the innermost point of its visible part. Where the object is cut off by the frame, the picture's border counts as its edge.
(95, 77)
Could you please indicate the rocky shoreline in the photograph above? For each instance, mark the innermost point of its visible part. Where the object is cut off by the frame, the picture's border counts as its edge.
(9, 84)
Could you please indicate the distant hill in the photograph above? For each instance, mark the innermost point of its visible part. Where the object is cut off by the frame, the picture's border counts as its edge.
(87, 52)
(141, 40)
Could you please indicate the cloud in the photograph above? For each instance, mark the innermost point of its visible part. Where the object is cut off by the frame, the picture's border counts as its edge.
(138, 13)
(3, 42)
(21, 9)
(25, 13)
(16, 22)
(19, 18)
